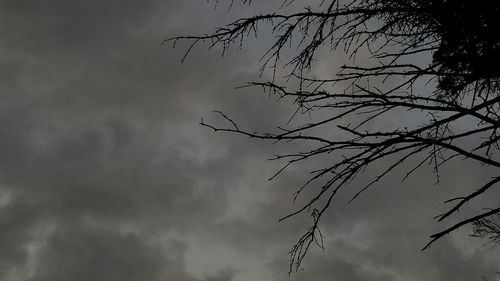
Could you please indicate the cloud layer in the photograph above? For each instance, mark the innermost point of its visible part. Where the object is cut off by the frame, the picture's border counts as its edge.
(105, 173)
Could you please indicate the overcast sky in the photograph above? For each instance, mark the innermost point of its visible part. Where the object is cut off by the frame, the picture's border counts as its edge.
(105, 173)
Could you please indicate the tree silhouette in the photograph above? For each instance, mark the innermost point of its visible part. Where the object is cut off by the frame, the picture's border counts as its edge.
(437, 59)
(488, 229)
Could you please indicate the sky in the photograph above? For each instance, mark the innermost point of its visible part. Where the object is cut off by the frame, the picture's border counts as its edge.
(106, 173)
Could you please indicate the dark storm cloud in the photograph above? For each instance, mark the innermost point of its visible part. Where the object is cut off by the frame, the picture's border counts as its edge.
(90, 180)
(86, 253)
(105, 173)
(51, 27)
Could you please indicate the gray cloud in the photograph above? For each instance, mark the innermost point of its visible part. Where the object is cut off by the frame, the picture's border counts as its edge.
(105, 173)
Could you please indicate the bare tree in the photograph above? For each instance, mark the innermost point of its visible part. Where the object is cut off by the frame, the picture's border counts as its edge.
(437, 59)
(488, 229)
